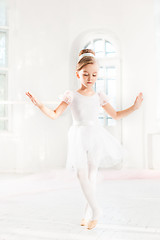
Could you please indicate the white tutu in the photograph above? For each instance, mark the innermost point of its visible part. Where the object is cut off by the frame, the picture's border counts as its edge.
(93, 144)
(88, 141)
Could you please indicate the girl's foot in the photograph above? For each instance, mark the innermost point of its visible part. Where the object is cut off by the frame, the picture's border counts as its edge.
(96, 215)
(92, 224)
(84, 222)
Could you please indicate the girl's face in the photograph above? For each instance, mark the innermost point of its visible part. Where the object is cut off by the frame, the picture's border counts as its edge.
(88, 75)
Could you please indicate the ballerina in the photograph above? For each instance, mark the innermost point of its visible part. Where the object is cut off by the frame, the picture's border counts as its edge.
(89, 143)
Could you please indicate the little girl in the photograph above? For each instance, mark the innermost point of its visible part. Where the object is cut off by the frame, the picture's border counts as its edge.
(89, 143)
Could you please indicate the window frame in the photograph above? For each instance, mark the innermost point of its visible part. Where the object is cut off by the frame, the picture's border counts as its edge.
(5, 70)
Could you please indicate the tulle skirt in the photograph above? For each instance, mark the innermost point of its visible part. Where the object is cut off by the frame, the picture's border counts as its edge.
(93, 143)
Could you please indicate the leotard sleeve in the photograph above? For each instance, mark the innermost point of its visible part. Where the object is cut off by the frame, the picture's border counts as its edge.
(104, 99)
(67, 96)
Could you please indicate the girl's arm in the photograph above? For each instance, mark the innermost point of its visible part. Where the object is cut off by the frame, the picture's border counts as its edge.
(120, 114)
(53, 114)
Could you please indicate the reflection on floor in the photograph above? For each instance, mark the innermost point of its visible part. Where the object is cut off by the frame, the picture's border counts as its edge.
(49, 205)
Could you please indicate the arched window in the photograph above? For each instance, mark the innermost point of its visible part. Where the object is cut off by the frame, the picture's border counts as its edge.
(109, 74)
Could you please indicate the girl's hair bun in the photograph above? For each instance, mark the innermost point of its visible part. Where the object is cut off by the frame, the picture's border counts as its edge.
(85, 59)
(86, 51)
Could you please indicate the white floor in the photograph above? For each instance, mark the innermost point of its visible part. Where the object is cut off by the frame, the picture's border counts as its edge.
(50, 205)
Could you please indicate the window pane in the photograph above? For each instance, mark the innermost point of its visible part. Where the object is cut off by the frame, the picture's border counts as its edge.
(3, 125)
(99, 85)
(3, 95)
(112, 87)
(3, 86)
(111, 72)
(3, 13)
(2, 110)
(106, 120)
(2, 49)
(109, 47)
(99, 47)
(101, 112)
(111, 122)
(101, 121)
(101, 73)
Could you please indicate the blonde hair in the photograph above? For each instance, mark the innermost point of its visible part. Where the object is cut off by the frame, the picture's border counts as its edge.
(86, 59)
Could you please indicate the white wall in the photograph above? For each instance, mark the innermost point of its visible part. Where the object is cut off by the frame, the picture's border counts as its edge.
(42, 36)
(157, 37)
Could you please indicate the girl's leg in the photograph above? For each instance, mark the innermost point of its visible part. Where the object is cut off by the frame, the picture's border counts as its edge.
(92, 175)
(89, 191)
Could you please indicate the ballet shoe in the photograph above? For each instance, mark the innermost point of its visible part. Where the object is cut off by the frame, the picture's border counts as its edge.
(92, 224)
(83, 222)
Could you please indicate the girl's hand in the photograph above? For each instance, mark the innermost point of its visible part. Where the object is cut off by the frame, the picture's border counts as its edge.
(138, 101)
(33, 99)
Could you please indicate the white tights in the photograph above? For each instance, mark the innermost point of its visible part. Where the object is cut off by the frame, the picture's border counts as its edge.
(87, 179)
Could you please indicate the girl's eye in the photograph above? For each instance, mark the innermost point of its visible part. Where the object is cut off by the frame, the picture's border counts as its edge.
(87, 75)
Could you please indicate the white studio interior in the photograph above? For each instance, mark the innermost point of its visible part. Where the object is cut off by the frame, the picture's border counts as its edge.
(39, 45)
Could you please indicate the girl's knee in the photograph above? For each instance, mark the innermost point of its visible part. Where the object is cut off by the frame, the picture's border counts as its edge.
(80, 173)
(92, 179)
